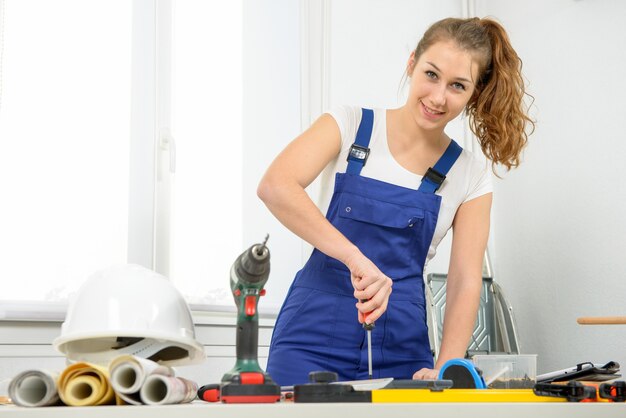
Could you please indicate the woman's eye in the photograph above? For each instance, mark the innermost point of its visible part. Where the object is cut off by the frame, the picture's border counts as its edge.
(431, 74)
(458, 86)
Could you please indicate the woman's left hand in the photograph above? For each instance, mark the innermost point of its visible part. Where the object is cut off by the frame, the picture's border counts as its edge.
(426, 374)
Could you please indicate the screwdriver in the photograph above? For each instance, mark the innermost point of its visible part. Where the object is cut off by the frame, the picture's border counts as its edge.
(368, 328)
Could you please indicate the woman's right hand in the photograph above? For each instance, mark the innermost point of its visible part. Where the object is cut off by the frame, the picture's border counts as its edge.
(372, 287)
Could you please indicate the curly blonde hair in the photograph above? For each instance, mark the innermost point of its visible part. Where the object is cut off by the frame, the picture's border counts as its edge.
(496, 110)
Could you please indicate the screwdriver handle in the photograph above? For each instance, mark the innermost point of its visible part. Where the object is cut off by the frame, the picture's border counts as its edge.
(366, 326)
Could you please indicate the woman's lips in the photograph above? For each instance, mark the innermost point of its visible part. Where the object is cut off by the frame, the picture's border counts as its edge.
(430, 112)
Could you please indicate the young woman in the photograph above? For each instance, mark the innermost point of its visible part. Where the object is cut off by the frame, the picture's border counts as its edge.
(393, 184)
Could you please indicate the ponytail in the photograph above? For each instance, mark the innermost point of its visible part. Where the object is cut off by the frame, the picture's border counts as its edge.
(496, 112)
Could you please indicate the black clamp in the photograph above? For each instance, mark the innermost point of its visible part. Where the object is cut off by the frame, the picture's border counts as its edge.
(434, 176)
(358, 153)
(322, 389)
(615, 391)
(574, 391)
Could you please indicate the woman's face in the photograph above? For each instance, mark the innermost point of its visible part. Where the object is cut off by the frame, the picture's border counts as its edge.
(442, 82)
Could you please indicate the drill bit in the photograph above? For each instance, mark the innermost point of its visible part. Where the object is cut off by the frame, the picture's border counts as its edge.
(260, 248)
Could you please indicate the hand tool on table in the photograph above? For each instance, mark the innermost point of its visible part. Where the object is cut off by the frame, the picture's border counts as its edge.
(368, 328)
(576, 391)
(392, 383)
(323, 387)
(463, 373)
(615, 391)
(320, 389)
(460, 395)
(587, 371)
(573, 391)
(246, 382)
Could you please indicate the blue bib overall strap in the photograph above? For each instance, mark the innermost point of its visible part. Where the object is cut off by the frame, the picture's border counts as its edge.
(359, 151)
(435, 176)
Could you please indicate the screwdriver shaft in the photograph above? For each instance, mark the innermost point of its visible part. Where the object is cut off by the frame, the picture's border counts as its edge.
(369, 353)
(368, 328)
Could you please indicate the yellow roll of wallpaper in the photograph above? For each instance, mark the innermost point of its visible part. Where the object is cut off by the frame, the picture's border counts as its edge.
(84, 384)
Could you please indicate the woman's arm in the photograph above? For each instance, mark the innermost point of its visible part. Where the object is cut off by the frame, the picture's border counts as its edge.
(470, 233)
(282, 191)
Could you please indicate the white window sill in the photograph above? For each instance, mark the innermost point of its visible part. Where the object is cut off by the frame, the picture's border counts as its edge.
(55, 312)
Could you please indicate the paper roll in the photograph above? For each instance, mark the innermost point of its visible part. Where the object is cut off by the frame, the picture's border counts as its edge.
(35, 388)
(85, 384)
(165, 390)
(128, 374)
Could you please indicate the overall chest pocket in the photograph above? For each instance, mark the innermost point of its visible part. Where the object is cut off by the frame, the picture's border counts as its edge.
(386, 232)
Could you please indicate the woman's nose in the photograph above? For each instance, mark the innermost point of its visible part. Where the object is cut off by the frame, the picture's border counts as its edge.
(438, 96)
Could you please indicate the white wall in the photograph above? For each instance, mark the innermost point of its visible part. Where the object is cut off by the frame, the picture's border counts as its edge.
(370, 44)
(559, 230)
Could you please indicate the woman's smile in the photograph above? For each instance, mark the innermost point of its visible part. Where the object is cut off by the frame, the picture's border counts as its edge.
(430, 112)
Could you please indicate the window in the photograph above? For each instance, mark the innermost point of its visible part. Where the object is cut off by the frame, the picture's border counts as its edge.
(121, 134)
(65, 70)
(206, 91)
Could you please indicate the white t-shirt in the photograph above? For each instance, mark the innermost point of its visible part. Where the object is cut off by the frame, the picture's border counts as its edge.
(468, 178)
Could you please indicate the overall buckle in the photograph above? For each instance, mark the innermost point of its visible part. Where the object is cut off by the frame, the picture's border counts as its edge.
(434, 176)
(358, 153)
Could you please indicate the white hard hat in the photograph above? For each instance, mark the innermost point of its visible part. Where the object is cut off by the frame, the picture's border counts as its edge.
(129, 309)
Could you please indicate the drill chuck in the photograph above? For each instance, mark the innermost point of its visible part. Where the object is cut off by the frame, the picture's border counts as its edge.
(253, 266)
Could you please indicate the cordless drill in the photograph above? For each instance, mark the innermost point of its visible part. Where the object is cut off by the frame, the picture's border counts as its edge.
(246, 382)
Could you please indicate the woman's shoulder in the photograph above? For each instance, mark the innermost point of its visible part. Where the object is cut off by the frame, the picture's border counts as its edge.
(348, 118)
(346, 112)
(472, 173)
(471, 161)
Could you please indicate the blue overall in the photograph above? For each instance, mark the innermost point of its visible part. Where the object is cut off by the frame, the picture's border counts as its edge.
(317, 327)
